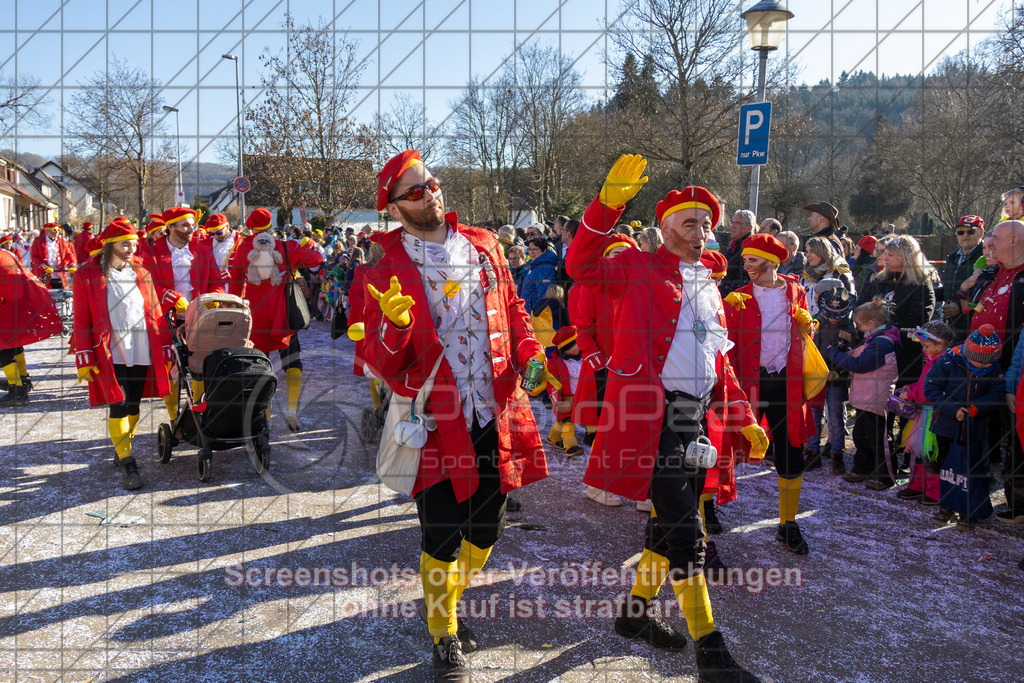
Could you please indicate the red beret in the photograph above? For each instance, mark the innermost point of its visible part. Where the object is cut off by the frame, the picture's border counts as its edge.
(5, 238)
(154, 225)
(715, 262)
(868, 243)
(86, 225)
(259, 219)
(118, 230)
(51, 225)
(216, 221)
(973, 221)
(391, 172)
(94, 245)
(615, 240)
(765, 246)
(564, 337)
(176, 214)
(691, 197)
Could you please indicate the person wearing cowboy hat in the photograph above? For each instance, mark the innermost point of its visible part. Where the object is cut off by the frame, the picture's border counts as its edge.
(122, 344)
(669, 363)
(53, 257)
(824, 222)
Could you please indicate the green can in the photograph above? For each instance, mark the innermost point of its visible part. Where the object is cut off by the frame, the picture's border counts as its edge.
(533, 376)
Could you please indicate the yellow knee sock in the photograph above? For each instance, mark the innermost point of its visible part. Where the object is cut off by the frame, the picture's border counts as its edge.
(171, 401)
(555, 434)
(198, 387)
(133, 422)
(650, 574)
(120, 435)
(568, 435)
(439, 593)
(293, 378)
(470, 562)
(789, 498)
(11, 373)
(375, 393)
(19, 360)
(692, 595)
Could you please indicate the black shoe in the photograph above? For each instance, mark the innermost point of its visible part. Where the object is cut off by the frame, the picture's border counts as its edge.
(26, 382)
(711, 522)
(812, 460)
(1010, 517)
(16, 396)
(573, 451)
(838, 466)
(880, 484)
(789, 533)
(909, 494)
(465, 633)
(714, 567)
(130, 479)
(635, 622)
(854, 478)
(929, 501)
(716, 665)
(512, 505)
(944, 516)
(449, 663)
(588, 440)
(966, 523)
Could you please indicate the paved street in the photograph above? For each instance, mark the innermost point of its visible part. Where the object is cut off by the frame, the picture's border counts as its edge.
(309, 573)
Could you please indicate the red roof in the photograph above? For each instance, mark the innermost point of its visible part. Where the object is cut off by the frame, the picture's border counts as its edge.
(11, 187)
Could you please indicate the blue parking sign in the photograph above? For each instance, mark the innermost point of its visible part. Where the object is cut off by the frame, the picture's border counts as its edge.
(755, 122)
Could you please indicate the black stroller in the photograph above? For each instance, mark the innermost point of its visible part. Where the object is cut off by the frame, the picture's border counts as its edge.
(372, 419)
(239, 382)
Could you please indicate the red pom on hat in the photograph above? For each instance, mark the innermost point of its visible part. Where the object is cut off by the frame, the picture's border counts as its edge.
(94, 245)
(691, 197)
(177, 213)
(391, 172)
(259, 219)
(716, 263)
(765, 246)
(215, 222)
(564, 337)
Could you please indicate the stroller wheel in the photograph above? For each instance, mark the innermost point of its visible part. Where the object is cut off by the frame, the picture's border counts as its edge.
(164, 442)
(259, 453)
(204, 465)
(368, 425)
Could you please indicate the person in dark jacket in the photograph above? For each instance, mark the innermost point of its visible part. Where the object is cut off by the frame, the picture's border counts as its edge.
(959, 266)
(965, 386)
(541, 271)
(741, 227)
(864, 264)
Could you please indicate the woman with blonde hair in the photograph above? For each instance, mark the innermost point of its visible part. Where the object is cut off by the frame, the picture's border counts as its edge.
(824, 262)
(649, 240)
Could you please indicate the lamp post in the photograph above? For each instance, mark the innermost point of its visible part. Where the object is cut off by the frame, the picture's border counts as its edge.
(238, 107)
(766, 24)
(179, 193)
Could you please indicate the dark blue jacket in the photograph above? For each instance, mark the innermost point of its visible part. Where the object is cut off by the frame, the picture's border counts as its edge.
(540, 274)
(878, 345)
(951, 385)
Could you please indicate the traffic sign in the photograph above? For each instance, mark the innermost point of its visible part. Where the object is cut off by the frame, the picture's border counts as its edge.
(241, 184)
(755, 123)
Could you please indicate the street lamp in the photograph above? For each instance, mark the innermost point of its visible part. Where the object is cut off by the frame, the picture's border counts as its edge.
(179, 194)
(766, 24)
(238, 107)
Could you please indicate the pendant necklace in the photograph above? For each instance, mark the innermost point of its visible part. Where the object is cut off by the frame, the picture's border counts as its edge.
(700, 330)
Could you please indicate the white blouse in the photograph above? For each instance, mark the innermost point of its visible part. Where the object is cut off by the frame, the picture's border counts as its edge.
(129, 340)
(774, 305)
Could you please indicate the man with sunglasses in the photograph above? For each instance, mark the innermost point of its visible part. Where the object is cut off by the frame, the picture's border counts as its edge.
(214, 257)
(959, 266)
(443, 293)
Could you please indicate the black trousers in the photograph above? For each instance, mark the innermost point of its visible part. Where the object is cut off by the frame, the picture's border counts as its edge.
(869, 440)
(132, 381)
(677, 533)
(8, 356)
(480, 519)
(789, 459)
(291, 355)
(1013, 473)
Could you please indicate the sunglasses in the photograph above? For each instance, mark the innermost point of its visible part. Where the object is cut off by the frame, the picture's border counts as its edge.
(920, 334)
(961, 233)
(415, 192)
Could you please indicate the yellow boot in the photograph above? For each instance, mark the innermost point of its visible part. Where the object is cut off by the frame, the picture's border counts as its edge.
(555, 435)
(789, 504)
(293, 378)
(634, 621)
(19, 360)
(120, 429)
(569, 443)
(17, 395)
(439, 586)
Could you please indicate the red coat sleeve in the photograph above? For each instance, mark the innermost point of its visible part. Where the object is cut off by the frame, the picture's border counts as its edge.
(85, 329)
(583, 315)
(584, 261)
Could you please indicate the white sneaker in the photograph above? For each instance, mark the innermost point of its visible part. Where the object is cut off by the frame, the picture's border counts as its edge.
(291, 418)
(644, 505)
(603, 497)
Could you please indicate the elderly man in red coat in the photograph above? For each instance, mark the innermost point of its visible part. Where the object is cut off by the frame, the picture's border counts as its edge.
(53, 257)
(444, 293)
(767, 320)
(667, 369)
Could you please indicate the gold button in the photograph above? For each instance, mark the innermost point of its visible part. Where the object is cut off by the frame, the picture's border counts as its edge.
(678, 300)
(668, 340)
(673, 321)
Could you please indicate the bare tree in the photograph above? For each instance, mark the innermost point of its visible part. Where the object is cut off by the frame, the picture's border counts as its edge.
(406, 126)
(22, 103)
(115, 117)
(303, 117)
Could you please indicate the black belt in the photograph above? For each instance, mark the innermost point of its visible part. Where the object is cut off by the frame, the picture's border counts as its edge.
(687, 406)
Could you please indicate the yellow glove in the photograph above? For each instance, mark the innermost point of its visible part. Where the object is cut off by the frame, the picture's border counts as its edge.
(548, 377)
(623, 181)
(356, 331)
(48, 270)
(72, 269)
(758, 440)
(393, 303)
(737, 300)
(180, 306)
(804, 320)
(210, 305)
(86, 373)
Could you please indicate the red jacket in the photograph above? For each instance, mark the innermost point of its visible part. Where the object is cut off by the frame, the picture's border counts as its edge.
(270, 331)
(210, 277)
(745, 333)
(92, 335)
(356, 314)
(593, 315)
(558, 368)
(157, 260)
(27, 311)
(82, 239)
(65, 259)
(404, 358)
(648, 288)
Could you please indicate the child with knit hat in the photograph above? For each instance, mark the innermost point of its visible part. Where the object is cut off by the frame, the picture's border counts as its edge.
(965, 386)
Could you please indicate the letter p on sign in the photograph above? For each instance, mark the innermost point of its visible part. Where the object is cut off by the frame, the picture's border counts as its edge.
(752, 142)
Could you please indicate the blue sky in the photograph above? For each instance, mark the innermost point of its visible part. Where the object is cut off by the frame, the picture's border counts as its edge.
(428, 48)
